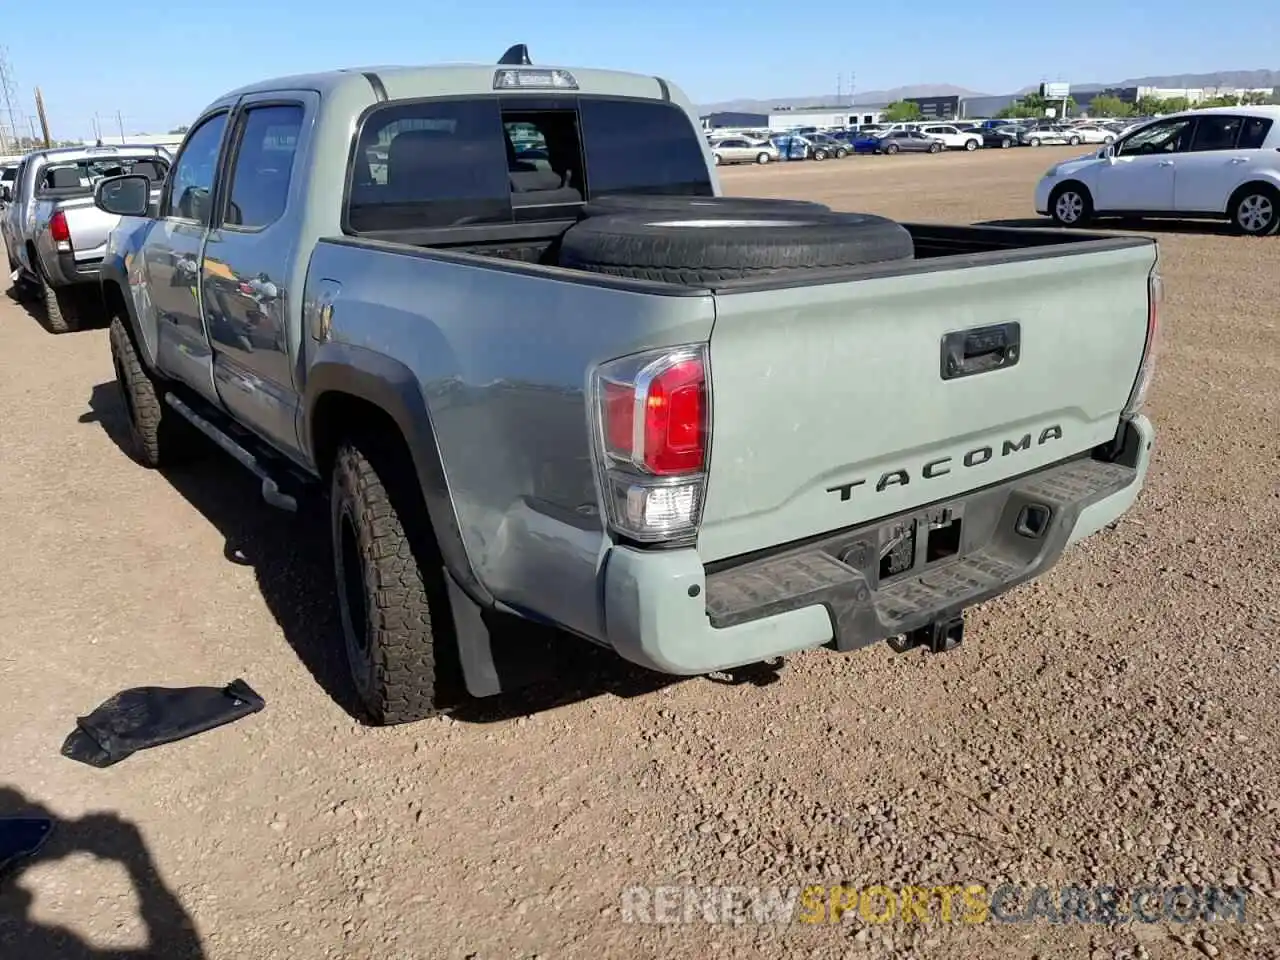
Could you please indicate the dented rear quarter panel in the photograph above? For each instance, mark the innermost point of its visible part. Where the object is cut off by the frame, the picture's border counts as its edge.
(501, 356)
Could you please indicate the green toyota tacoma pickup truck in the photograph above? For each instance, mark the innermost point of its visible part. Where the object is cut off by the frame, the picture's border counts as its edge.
(504, 319)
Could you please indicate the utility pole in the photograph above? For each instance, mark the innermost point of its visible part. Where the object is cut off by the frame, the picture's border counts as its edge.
(8, 91)
(44, 121)
(120, 125)
(839, 88)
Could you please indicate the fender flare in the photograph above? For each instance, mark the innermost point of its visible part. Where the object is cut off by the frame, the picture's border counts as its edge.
(389, 385)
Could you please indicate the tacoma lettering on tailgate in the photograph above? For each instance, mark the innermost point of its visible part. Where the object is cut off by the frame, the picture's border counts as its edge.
(942, 465)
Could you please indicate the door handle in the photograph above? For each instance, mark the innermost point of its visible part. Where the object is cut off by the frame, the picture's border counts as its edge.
(1166, 163)
(978, 350)
(1239, 159)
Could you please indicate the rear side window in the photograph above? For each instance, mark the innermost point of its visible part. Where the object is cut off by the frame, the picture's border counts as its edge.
(263, 165)
(1254, 134)
(638, 146)
(1216, 133)
(430, 164)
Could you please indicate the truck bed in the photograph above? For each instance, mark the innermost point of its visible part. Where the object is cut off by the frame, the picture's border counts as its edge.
(963, 246)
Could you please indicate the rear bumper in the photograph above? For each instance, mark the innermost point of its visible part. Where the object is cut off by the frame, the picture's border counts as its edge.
(663, 611)
(66, 270)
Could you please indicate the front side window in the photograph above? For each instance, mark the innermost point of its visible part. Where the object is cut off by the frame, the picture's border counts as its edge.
(1169, 136)
(191, 181)
(263, 167)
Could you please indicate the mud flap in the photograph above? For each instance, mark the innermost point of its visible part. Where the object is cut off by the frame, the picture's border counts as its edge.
(142, 717)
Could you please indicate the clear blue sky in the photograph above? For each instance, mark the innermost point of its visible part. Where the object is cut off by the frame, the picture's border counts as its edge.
(158, 66)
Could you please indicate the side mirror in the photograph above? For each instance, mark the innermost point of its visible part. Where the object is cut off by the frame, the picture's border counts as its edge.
(1107, 152)
(124, 196)
(6, 194)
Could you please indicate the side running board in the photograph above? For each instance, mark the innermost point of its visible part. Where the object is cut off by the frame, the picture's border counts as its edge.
(271, 491)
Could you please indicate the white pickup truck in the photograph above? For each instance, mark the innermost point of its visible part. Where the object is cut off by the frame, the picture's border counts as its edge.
(54, 235)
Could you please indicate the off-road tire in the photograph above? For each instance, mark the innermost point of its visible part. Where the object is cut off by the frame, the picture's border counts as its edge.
(59, 311)
(700, 249)
(161, 437)
(697, 206)
(390, 579)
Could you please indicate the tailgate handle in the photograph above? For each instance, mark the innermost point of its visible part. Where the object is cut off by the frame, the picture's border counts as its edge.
(980, 349)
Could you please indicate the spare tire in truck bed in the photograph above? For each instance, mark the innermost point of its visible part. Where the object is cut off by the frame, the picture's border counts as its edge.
(693, 249)
(717, 206)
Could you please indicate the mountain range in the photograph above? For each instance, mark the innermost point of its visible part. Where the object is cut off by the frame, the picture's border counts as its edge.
(1246, 79)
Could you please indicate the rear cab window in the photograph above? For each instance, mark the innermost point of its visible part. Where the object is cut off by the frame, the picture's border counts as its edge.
(84, 172)
(493, 160)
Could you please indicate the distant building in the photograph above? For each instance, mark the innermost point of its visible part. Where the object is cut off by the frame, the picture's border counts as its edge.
(826, 117)
(937, 108)
(726, 119)
(985, 108)
(171, 140)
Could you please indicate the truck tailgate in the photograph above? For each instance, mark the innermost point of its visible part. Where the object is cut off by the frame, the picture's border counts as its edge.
(89, 226)
(830, 407)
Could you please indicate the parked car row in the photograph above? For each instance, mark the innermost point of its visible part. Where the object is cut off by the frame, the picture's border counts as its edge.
(808, 143)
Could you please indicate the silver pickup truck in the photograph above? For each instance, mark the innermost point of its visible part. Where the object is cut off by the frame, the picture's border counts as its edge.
(568, 382)
(54, 233)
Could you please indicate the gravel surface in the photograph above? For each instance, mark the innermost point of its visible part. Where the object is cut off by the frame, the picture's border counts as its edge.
(1115, 722)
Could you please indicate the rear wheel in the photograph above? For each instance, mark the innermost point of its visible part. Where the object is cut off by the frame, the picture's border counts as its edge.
(715, 158)
(1005, 144)
(1070, 205)
(841, 153)
(392, 600)
(935, 147)
(1255, 210)
(1034, 141)
(1074, 141)
(59, 310)
(891, 148)
(971, 144)
(762, 158)
(819, 154)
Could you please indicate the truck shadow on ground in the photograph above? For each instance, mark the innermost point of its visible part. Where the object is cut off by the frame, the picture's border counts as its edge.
(291, 559)
(1210, 228)
(171, 934)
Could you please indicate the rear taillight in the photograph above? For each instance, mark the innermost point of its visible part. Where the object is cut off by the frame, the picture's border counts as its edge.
(652, 413)
(59, 231)
(1155, 295)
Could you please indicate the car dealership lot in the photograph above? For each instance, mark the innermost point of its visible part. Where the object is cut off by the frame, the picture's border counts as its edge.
(1115, 723)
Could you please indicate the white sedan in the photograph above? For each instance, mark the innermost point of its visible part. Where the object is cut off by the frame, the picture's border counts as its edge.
(1219, 163)
(1091, 134)
(952, 137)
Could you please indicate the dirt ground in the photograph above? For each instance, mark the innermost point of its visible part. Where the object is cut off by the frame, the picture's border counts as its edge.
(1116, 722)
